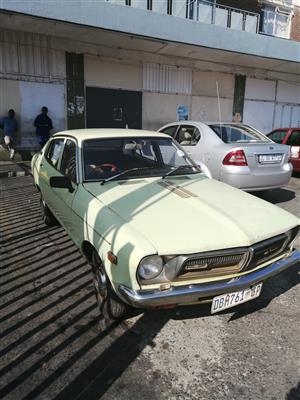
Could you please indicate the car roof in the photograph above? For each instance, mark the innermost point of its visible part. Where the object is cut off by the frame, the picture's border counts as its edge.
(284, 129)
(98, 133)
(206, 123)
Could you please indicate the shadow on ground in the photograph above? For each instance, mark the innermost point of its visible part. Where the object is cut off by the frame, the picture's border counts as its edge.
(276, 196)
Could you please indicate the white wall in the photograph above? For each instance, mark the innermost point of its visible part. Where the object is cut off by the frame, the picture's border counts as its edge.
(105, 74)
(288, 92)
(207, 109)
(259, 114)
(287, 116)
(161, 108)
(260, 89)
(271, 104)
(204, 84)
(33, 97)
(27, 55)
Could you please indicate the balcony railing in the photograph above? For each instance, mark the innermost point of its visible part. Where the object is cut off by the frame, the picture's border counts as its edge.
(200, 10)
(228, 17)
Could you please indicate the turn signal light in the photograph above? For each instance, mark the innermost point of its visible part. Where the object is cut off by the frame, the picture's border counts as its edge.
(235, 157)
(112, 258)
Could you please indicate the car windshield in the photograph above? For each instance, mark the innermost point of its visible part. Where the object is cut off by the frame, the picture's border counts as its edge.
(125, 158)
(231, 133)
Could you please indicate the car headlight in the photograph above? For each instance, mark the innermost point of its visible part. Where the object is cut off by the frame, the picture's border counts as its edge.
(150, 267)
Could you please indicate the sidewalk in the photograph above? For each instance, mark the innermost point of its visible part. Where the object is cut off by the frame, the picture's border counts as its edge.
(12, 168)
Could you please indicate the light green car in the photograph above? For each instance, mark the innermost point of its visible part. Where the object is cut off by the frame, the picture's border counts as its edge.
(155, 230)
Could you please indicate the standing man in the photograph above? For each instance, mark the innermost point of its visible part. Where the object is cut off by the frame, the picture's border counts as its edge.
(10, 127)
(43, 126)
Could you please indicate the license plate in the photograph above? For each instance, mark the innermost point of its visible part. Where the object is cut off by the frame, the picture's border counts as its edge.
(228, 300)
(269, 158)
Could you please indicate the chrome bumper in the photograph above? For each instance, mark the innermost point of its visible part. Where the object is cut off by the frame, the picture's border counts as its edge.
(194, 293)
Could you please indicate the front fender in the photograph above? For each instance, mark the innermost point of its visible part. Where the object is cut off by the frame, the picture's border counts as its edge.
(107, 231)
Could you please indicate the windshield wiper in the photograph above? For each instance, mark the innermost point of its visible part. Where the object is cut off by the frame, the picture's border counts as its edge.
(111, 178)
(177, 169)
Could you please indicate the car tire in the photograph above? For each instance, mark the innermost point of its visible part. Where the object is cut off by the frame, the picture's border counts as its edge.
(110, 305)
(47, 215)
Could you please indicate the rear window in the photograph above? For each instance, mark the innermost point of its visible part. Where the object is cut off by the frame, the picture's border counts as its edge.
(238, 133)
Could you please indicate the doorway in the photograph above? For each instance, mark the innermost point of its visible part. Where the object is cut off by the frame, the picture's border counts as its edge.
(113, 108)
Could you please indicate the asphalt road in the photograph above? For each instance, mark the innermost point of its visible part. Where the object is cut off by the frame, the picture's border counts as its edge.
(54, 345)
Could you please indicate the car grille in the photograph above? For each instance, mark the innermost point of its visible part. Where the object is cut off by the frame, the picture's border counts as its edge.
(214, 264)
(235, 260)
(266, 250)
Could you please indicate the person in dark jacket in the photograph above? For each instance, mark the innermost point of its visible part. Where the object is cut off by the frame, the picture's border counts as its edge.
(43, 126)
(10, 127)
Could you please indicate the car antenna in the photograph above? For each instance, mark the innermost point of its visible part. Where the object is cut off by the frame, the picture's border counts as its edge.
(219, 107)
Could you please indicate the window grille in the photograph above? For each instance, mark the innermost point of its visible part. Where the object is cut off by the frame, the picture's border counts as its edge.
(167, 79)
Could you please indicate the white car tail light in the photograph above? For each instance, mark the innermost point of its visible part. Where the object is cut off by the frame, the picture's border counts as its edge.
(235, 157)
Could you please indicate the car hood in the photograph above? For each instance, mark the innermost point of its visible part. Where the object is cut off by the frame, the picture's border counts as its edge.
(192, 214)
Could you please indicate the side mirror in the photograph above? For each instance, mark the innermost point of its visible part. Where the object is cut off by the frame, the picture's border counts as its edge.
(61, 182)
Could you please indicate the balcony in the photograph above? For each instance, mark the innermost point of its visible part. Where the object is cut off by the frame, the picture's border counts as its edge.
(228, 17)
(200, 10)
(150, 27)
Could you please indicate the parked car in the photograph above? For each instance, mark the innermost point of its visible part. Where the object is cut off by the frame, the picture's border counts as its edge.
(233, 153)
(290, 137)
(155, 230)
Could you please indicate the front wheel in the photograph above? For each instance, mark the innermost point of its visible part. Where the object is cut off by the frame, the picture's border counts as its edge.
(111, 307)
(47, 215)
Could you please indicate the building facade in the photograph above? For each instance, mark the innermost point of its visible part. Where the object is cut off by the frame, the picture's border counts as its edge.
(136, 63)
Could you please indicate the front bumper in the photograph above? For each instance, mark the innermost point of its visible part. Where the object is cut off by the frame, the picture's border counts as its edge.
(193, 293)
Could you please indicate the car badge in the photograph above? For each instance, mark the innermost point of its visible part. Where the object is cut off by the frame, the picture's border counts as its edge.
(271, 148)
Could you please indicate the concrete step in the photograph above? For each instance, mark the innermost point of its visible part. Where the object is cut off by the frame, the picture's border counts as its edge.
(11, 168)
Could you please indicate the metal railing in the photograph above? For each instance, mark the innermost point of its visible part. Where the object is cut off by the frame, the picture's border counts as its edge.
(228, 17)
(200, 10)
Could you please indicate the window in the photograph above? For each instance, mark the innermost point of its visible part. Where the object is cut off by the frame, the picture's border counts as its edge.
(68, 162)
(277, 136)
(275, 21)
(54, 151)
(238, 133)
(188, 135)
(170, 130)
(294, 139)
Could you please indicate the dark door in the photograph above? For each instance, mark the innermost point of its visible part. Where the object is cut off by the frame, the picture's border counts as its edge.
(109, 108)
(75, 90)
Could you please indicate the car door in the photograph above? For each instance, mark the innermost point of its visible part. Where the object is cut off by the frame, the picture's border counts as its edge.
(49, 167)
(64, 197)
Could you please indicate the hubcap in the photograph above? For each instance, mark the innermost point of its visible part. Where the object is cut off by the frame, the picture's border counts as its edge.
(100, 285)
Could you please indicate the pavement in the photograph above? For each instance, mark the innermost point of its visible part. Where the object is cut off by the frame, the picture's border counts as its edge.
(54, 344)
(13, 168)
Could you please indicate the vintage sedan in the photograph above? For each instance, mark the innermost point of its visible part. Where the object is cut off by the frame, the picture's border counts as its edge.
(155, 230)
(234, 153)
